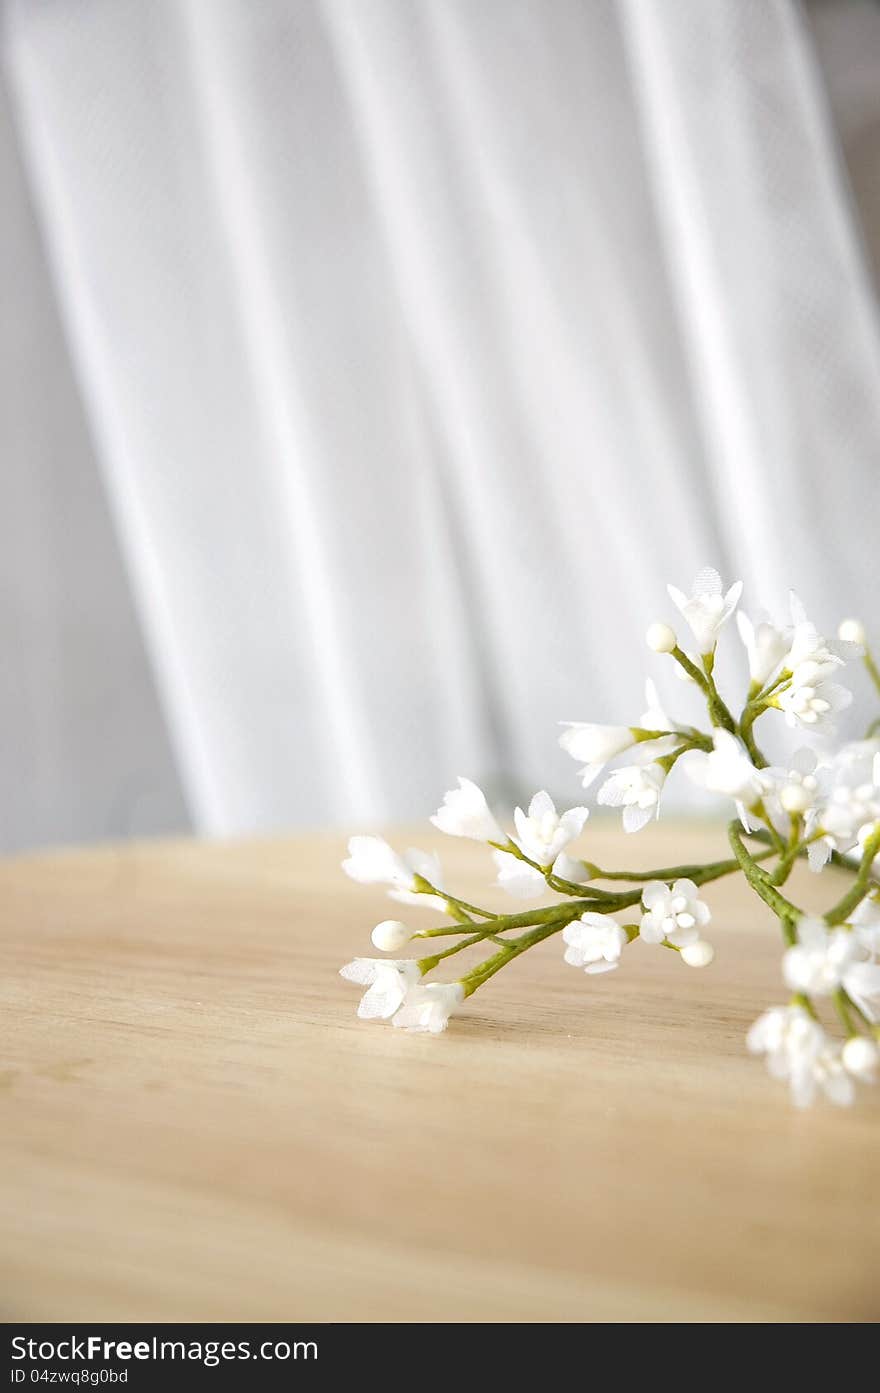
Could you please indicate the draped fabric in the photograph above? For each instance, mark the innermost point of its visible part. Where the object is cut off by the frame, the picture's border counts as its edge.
(422, 341)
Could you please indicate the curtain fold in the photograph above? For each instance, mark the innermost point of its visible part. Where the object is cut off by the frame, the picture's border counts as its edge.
(421, 343)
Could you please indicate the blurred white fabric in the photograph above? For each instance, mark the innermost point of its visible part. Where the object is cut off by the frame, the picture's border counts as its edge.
(422, 343)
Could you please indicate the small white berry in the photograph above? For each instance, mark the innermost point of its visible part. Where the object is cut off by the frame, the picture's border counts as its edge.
(390, 935)
(861, 1057)
(852, 631)
(699, 954)
(661, 638)
(795, 798)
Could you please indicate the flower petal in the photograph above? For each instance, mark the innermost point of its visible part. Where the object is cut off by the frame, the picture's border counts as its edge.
(634, 819)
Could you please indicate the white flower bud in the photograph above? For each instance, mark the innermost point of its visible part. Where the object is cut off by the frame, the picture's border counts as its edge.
(728, 769)
(661, 638)
(861, 1057)
(465, 813)
(596, 744)
(699, 954)
(852, 631)
(795, 798)
(390, 935)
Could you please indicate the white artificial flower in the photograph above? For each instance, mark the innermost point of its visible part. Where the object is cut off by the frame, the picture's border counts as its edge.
(824, 959)
(861, 1058)
(819, 853)
(810, 701)
(862, 983)
(809, 698)
(707, 608)
(390, 935)
(428, 1008)
(865, 833)
(765, 645)
(373, 862)
(787, 1031)
(517, 877)
(595, 942)
(425, 864)
(522, 881)
(388, 982)
(660, 638)
(674, 913)
(853, 631)
(654, 716)
(866, 925)
(796, 787)
(818, 962)
(797, 1049)
(636, 788)
(827, 1074)
(851, 808)
(727, 769)
(699, 954)
(595, 745)
(799, 653)
(858, 761)
(809, 660)
(465, 813)
(808, 646)
(570, 868)
(542, 832)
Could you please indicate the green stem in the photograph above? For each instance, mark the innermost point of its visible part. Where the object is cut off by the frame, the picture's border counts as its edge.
(668, 762)
(458, 909)
(688, 872)
(502, 922)
(853, 1006)
(719, 713)
(776, 840)
(481, 974)
(601, 902)
(872, 667)
(860, 886)
(750, 714)
(841, 1006)
(459, 915)
(690, 668)
(840, 863)
(543, 923)
(555, 882)
(570, 887)
(761, 883)
(801, 999)
(793, 851)
(428, 964)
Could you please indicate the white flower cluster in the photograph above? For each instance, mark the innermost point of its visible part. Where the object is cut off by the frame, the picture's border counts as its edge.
(395, 992)
(817, 804)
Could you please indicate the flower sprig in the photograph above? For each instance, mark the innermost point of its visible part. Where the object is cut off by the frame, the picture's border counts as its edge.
(821, 804)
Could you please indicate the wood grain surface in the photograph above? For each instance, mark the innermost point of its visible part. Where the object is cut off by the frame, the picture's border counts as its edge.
(195, 1126)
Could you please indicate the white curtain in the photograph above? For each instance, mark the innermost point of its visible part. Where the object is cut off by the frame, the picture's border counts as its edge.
(422, 341)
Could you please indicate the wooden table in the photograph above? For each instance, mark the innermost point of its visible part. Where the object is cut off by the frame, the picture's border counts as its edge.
(196, 1126)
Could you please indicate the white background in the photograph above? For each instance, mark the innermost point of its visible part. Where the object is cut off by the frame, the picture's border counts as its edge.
(368, 368)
